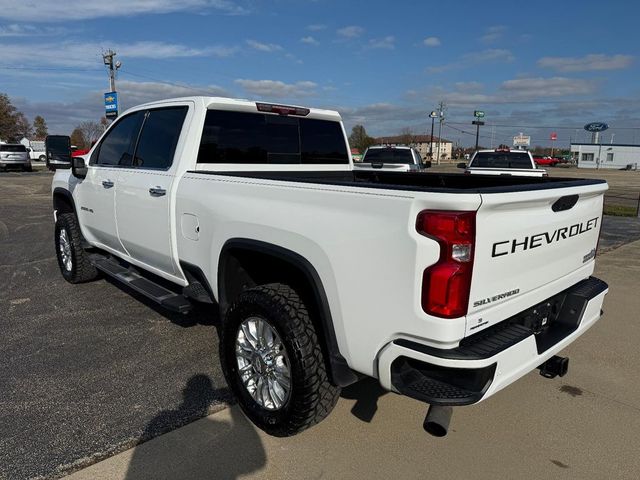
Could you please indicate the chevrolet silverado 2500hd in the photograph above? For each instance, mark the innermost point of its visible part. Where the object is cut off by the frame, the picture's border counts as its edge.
(445, 287)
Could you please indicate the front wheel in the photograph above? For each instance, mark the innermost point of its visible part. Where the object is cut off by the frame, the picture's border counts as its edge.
(273, 362)
(73, 260)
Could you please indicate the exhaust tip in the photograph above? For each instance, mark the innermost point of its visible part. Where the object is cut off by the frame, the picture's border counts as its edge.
(436, 423)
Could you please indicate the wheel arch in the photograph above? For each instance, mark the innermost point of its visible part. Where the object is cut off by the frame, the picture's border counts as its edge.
(244, 263)
(63, 201)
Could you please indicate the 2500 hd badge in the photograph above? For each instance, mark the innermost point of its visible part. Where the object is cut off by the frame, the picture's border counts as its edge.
(540, 239)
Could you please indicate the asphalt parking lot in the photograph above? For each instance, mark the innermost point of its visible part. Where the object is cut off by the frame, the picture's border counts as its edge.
(88, 371)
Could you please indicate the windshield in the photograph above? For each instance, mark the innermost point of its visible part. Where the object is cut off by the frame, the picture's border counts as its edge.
(388, 155)
(501, 160)
(13, 148)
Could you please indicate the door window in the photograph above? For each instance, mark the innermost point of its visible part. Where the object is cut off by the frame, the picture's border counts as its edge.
(117, 147)
(159, 137)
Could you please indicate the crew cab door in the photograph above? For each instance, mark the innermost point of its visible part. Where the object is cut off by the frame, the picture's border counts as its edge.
(95, 194)
(143, 193)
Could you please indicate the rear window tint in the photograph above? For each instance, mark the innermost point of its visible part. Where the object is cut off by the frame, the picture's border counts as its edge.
(388, 155)
(13, 148)
(241, 137)
(501, 160)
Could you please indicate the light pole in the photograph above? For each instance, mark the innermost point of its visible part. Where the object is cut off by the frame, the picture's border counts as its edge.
(440, 133)
(478, 114)
(432, 116)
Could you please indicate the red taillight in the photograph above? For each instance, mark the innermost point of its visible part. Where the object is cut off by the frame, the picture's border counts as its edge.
(446, 284)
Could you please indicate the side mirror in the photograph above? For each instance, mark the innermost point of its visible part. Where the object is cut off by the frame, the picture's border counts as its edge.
(462, 165)
(78, 167)
(58, 151)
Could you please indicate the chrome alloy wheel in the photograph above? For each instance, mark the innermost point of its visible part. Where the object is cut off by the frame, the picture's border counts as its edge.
(65, 250)
(263, 364)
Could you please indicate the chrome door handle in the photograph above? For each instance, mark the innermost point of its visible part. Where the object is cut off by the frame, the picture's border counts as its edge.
(157, 191)
(107, 183)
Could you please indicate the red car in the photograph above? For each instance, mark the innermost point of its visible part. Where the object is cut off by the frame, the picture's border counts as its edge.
(545, 161)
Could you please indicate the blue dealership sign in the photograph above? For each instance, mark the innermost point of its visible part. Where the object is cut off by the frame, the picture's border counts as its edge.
(596, 127)
(111, 104)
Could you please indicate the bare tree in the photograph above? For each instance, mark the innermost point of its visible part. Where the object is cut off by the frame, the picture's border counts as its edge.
(91, 131)
(407, 136)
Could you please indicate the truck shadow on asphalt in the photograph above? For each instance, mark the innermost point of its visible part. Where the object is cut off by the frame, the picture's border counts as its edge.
(366, 393)
(209, 448)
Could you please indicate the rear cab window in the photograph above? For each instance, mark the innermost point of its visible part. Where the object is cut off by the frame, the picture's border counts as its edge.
(159, 138)
(388, 155)
(502, 160)
(231, 137)
(13, 148)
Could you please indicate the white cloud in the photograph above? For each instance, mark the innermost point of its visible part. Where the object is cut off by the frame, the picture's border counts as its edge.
(63, 116)
(491, 55)
(352, 31)
(538, 87)
(309, 40)
(264, 47)
(386, 43)
(135, 93)
(432, 42)
(587, 63)
(277, 88)
(87, 55)
(493, 33)
(316, 28)
(468, 86)
(53, 10)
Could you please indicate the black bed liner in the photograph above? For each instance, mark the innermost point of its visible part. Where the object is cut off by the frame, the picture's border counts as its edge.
(417, 181)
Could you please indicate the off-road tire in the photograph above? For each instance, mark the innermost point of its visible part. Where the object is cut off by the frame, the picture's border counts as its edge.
(312, 395)
(81, 269)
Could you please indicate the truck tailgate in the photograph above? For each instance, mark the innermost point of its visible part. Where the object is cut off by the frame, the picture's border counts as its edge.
(529, 246)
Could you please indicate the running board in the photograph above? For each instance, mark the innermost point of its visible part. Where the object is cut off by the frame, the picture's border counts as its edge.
(150, 289)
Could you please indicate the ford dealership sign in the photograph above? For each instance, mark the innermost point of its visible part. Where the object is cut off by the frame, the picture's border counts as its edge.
(596, 127)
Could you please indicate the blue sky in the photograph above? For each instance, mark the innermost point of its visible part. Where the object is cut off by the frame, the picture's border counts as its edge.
(533, 68)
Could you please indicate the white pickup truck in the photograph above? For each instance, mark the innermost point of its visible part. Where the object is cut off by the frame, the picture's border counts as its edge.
(391, 158)
(503, 161)
(445, 287)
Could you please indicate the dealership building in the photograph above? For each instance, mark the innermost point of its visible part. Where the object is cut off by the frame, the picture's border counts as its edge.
(606, 155)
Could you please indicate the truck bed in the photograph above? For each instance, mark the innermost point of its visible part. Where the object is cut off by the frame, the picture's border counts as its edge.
(418, 181)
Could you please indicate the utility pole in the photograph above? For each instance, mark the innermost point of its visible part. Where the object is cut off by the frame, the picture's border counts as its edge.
(441, 115)
(107, 57)
(432, 116)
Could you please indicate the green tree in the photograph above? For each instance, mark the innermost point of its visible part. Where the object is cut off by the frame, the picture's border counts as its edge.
(359, 138)
(78, 139)
(7, 122)
(40, 128)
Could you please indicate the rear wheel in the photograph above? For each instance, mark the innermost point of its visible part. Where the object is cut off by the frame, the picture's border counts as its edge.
(273, 361)
(73, 260)
(42, 158)
(27, 168)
